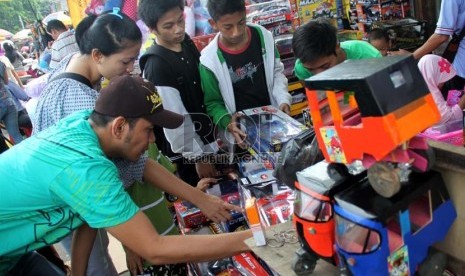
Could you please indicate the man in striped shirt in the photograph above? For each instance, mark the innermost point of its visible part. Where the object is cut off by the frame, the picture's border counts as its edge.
(65, 41)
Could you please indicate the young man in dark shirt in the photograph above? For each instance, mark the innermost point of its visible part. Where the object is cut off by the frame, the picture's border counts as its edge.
(172, 65)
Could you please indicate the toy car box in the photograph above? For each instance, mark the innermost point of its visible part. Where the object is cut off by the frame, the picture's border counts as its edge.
(255, 171)
(237, 222)
(189, 216)
(309, 10)
(271, 14)
(276, 209)
(268, 128)
(224, 186)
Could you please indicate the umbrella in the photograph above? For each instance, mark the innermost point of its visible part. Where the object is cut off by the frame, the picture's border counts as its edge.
(62, 16)
(23, 34)
(4, 34)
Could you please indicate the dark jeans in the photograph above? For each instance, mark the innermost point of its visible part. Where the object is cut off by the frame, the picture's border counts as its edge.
(34, 264)
(456, 83)
(23, 119)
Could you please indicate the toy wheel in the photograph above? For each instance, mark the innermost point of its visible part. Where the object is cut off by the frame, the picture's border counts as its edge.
(303, 263)
(337, 171)
(430, 157)
(384, 179)
(434, 264)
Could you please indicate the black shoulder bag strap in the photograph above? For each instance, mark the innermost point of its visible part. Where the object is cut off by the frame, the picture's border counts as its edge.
(73, 76)
(170, 58)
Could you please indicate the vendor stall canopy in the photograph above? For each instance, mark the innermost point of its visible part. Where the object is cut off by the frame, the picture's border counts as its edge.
(22, 35)
(4, 34)
(61, 15)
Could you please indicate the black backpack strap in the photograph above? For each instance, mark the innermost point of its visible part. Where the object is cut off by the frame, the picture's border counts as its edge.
(168, 57)
(73, 76)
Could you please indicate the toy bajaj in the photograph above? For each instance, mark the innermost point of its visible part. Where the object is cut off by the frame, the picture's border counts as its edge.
(380, 236)
(313, 215)
(375, 108)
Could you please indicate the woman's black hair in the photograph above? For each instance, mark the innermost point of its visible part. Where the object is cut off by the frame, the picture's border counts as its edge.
(110, 33)
(10, 52)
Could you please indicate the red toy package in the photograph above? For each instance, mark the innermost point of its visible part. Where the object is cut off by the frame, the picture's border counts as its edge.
(189, 216)
(276, 209)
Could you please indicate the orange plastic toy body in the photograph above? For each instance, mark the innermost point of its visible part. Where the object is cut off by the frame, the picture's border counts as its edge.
(388, 116)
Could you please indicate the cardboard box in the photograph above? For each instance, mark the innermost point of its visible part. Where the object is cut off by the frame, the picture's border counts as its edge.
(276, 16)
(312, 9)
(189, 216)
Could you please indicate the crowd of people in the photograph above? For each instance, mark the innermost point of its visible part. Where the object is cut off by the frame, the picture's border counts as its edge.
(93, 163)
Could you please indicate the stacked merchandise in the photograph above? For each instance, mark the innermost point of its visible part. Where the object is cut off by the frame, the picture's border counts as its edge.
(406, 33)
(278, 16)
(281, 19)
(193, 222)
(313, 9)
(362, 14)
(204, 33)
(299, 100)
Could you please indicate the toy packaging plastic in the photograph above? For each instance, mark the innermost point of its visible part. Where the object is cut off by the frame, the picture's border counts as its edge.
(276, 16)
(268, 128)
(254, 222)
(276, 209)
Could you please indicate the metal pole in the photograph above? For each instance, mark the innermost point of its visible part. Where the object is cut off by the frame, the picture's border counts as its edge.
(21, 22)
(33, 11)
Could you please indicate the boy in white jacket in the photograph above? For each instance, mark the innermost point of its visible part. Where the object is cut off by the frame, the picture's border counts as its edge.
(240, 68)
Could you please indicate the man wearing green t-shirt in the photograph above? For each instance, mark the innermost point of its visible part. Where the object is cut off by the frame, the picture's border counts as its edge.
(61, 179)
(316, 47)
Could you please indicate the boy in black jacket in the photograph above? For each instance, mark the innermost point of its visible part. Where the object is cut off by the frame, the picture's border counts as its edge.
(172, 65)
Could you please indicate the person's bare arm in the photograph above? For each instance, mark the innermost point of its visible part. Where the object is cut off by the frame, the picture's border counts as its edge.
(139, 235)
(430, 45)
(211, 206)
(83, 240)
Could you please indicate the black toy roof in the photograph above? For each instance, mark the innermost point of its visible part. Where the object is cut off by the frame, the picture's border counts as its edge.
(381, 85)
(355, 69)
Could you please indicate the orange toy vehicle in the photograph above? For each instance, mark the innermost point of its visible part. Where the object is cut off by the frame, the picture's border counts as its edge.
(376, 109)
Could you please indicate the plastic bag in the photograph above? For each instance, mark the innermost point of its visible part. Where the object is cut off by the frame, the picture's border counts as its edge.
(297, 154)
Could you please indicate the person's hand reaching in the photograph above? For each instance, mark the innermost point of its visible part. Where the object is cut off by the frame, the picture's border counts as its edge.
(234, 129)
(206, 183)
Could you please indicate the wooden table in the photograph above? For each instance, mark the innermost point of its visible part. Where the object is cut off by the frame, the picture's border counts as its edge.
(280, 258)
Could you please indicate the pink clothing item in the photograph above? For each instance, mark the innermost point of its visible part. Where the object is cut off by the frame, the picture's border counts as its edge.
(437, 70)
(130, 8)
